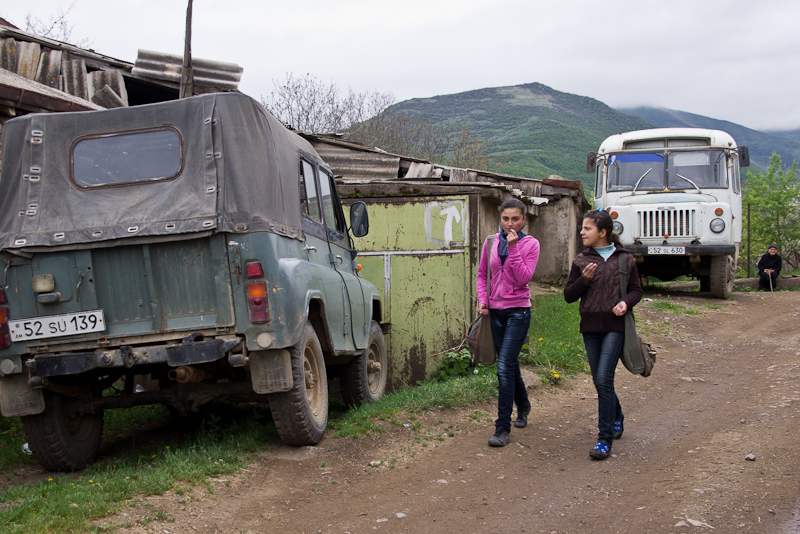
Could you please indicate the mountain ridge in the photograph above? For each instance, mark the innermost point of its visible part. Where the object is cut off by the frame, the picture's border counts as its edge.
(539, 131)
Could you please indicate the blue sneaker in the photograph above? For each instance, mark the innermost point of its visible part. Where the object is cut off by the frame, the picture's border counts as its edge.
(601, 451)
(618, 429)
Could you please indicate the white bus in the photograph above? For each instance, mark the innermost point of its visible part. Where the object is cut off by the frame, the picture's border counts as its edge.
(675, 196)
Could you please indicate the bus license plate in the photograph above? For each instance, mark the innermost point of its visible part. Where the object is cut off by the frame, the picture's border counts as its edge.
(68, 324)
(666, 250)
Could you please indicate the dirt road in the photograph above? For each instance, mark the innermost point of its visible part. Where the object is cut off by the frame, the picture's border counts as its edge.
(711, 444)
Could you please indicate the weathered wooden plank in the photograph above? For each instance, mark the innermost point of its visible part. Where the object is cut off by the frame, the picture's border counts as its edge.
(112, 79)
(8, 55)
(28, 59)
(49, 68)
(73, 78)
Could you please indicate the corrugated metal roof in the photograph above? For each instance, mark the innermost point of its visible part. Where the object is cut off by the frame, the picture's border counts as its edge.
(352, 164)
(207, 73)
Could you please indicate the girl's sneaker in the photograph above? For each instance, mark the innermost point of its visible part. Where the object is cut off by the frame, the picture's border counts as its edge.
(601, 451)
(618, 429)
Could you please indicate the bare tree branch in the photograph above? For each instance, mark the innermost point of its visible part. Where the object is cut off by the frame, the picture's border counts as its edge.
(307, 103)
(55, 27)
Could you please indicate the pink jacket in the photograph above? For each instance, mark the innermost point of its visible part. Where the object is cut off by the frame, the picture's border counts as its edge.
(510, 280)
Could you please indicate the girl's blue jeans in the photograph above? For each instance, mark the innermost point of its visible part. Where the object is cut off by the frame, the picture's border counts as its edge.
(509, 329)
(603, 351)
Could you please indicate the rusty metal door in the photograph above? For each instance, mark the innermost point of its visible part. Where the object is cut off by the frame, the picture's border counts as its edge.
(417, 253)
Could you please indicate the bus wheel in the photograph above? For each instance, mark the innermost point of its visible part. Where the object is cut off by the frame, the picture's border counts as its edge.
(722, 274)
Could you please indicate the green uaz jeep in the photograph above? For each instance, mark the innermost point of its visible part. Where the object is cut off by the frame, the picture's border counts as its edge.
(174, 253)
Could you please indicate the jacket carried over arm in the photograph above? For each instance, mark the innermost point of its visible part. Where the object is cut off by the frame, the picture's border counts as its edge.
(510, 279)
(599, 296)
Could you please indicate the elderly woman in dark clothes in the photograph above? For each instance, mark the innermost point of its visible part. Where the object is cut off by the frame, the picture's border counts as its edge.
(769, 267)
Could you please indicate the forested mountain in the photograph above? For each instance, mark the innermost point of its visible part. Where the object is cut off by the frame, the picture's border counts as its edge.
(761, 144)
(537, 130)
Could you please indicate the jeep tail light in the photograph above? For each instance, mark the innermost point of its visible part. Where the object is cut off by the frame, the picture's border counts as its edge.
(254, 270)
(257, 303)
(3, 298)
(5, 334)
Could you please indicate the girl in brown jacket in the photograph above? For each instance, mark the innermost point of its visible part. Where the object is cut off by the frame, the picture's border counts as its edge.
(594, 279)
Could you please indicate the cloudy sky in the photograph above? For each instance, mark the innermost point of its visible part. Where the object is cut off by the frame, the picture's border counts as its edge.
(737, 60)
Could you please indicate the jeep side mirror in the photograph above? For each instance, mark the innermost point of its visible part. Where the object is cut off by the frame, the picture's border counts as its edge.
(744, 156)
(591, 161)
(359, 219)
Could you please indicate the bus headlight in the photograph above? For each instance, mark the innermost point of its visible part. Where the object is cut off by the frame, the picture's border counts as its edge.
(618, 228)
(717, 225)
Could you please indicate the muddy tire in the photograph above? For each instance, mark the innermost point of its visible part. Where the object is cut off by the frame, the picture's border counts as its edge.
(61, 438)
(722, 275)
(301, 414)
(364, 379)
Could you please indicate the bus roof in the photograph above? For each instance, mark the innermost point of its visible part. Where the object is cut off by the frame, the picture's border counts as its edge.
(691, 137)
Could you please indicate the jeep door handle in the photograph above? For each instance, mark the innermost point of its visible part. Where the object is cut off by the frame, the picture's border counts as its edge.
(309, 248)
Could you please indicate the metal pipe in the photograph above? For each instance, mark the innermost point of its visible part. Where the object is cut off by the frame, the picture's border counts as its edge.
(185, 374)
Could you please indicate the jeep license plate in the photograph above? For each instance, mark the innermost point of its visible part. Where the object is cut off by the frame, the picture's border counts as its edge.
(666, 250)
(67, 324)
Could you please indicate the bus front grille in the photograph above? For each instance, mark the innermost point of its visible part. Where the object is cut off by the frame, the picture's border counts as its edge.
(673, 223)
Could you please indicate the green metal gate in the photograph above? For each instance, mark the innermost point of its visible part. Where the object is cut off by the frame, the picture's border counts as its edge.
(420, 254)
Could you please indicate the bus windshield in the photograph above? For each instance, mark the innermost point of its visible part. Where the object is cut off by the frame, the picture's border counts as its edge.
(657, 171)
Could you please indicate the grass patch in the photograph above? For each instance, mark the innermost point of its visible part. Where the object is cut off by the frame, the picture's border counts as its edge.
(675, 309)
(479, 385)
(221, 443)
(556, 345)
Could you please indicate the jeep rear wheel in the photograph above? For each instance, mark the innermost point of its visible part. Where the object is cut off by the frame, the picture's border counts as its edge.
(301, 414)
(364, 379)
(62, 438)
(722, 275)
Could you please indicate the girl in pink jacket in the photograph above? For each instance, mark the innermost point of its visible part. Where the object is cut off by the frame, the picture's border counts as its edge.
(507, 302)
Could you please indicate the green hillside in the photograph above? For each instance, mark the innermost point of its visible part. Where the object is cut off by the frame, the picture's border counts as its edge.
(760, 144)
(538, 130)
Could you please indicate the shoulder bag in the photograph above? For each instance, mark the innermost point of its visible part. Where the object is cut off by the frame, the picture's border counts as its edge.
(637, 356)
(479, 336)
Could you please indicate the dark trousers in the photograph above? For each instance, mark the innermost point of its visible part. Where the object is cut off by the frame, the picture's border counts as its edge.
(763, 280)
(603, 351)
(509, 328)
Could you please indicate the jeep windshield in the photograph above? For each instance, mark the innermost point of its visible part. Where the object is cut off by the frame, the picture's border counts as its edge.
(658, 171)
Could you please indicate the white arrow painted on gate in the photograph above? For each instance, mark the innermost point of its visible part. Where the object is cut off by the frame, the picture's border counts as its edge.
(451, 212)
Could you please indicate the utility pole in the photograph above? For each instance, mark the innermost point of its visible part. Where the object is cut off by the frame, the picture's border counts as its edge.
(187, 74)
(749, 263)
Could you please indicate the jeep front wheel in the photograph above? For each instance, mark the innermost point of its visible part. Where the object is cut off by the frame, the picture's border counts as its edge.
(364, 379)
(62, 438)
(301, 414)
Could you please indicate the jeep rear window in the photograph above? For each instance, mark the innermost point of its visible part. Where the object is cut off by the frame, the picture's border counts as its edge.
(125, 158)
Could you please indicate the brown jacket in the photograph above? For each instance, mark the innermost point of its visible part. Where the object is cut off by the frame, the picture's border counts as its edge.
(599, 296)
